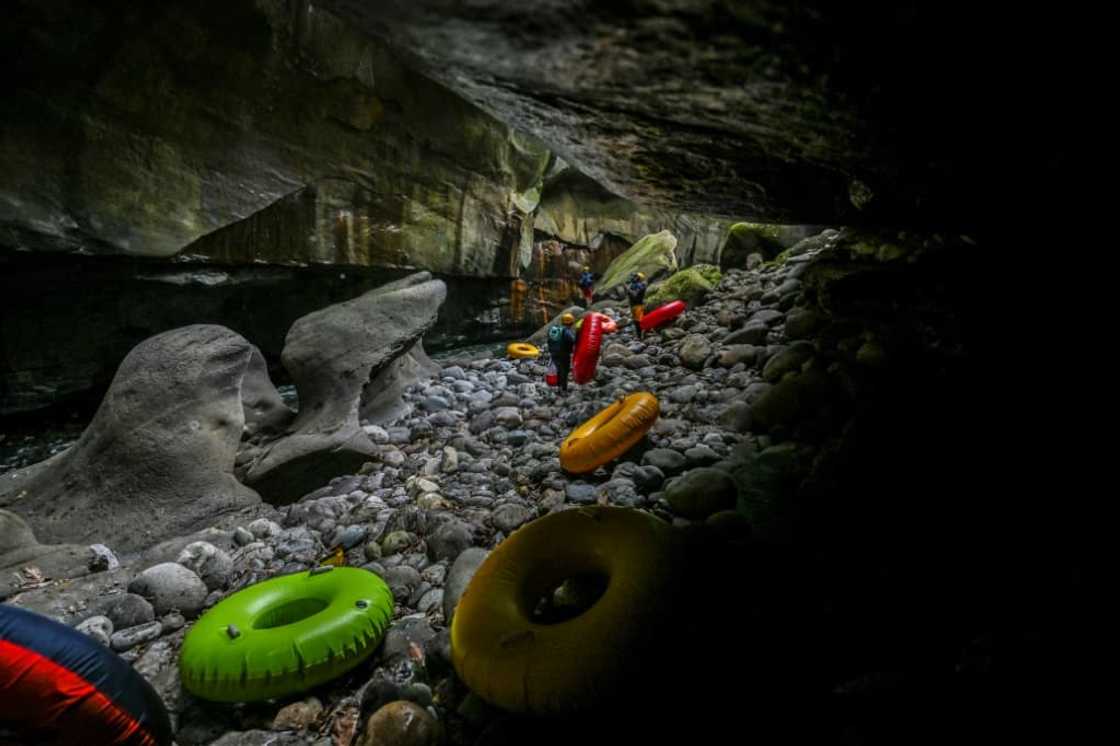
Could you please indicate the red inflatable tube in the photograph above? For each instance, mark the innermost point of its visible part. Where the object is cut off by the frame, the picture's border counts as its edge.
(662, 315)
(59, 686)
(587, 348)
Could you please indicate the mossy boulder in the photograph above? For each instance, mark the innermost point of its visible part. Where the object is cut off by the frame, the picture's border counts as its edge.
(765, 239)
(654, 255)
(690, 285)
(744, 239)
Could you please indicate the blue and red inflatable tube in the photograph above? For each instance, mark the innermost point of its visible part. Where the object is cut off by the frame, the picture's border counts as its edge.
(588, 343)
(663, 315)
(58, 686)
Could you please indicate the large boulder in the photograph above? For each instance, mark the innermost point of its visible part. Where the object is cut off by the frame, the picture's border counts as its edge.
(157, 459)
(654, 255)
(766, 239)
(332, 355)
(691, 285)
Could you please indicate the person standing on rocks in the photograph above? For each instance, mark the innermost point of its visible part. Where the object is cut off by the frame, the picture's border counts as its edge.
(586, 285)
(561, 344)
(636, 292)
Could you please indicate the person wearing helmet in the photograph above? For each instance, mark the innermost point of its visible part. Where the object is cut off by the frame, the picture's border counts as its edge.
(636, 292)
(561, 345)
(586, 285)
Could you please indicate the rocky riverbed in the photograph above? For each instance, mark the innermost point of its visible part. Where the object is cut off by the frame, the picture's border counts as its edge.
(753, 394)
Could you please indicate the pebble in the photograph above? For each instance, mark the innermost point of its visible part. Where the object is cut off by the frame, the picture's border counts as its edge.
(99, 628)
(126, 639)
(102, 559)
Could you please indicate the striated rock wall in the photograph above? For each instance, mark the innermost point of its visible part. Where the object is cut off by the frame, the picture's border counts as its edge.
(188, 117)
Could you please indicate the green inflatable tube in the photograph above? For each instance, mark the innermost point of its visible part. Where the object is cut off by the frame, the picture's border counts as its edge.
(286, 635)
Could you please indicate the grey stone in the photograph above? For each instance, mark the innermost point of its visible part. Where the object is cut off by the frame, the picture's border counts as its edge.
(403, 633)
(434, 574)
(580, 493)
(766, 316)
(459, 577)
(668, 461)
(648, 479)
(511, 516)
(683, 394)
(372, 550)
(349, 536)
(701, 492)
(125, 610)
(126, 639)
(377, 434)
(172, 622)
(620, 492)
(208, 562)
(298, 715)
(736, 417)
(417, 693)
(449, 540)
(754, 333)
(701, 455)
(435, 404)
(402, 580)
(99, 628)
(102, 558)
(517, 438)
(508, 417)
(170, 586)
(298, 544)
(242, 536)
(791, 359)
(454, 372)
(802, 322)
(731, 356)
(397, 541)
(694, 350)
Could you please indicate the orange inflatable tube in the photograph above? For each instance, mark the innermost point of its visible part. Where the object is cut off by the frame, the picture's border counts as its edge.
(609, 434)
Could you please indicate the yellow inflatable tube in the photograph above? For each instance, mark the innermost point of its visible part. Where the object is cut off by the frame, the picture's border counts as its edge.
(511, 661)
(517, 350)
(609, 434)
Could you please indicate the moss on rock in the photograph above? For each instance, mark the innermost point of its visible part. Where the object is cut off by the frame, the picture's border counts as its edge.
(655, 255)
(689, 285)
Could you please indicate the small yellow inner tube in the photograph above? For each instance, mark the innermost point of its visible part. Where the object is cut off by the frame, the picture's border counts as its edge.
(609, 434)
(518, 350)
(521, 665)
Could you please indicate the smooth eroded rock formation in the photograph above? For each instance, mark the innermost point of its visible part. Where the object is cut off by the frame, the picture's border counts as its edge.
(157, 459)
(332, 355)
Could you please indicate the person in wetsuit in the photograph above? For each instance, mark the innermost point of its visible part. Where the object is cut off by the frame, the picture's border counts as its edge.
(561, 345)
(636, 292)
(587, 285)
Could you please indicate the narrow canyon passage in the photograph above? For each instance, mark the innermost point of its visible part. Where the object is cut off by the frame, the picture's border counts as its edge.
(427, 373)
